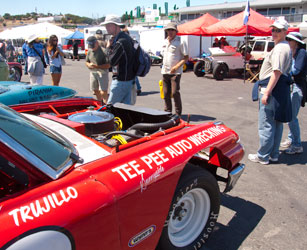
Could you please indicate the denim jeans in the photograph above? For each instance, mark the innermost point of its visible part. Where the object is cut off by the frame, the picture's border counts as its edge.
(270, 131)
(120, 91)
(294, 128)
(137, 82)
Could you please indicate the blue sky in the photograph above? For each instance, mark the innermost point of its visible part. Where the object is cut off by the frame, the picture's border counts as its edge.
(91, 8)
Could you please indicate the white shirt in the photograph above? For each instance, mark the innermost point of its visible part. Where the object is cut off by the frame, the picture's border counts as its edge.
(173, 52)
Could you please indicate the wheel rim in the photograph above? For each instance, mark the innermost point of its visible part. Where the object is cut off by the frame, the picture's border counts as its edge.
(189, 217)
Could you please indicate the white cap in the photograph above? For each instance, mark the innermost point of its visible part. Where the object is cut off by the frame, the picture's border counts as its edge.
(32, 38)
(113, 19)
(280, 24)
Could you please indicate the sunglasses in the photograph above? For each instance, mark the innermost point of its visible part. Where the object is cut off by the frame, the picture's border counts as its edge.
(276, 30)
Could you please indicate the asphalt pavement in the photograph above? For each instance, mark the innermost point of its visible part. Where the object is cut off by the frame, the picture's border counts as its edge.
(268, 207)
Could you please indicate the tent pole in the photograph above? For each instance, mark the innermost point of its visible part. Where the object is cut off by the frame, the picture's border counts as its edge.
(200, 46)
(245, 53)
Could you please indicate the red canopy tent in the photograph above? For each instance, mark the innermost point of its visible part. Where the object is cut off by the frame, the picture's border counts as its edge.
(194, 27)
(258, 25)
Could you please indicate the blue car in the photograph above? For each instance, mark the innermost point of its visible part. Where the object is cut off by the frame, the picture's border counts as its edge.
(19, 92)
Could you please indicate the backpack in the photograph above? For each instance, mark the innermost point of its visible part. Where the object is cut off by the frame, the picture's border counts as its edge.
(142, 61)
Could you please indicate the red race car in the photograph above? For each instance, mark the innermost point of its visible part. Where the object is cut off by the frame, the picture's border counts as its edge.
(78, 175)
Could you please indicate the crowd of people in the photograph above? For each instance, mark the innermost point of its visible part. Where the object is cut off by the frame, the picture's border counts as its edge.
(7, 50)
(281, 90)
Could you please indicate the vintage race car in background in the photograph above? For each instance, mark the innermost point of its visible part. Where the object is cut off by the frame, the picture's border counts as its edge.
(10, 71)
(20, 92)
(78, 175)
(15, 71)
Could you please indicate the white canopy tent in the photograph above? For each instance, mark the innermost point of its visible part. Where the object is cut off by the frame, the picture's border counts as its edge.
(43, 30)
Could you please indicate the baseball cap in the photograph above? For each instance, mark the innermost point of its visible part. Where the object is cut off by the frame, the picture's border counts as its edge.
(171, 26)
(111, 18)
(280, 24)
(99, 32)
(91, 41)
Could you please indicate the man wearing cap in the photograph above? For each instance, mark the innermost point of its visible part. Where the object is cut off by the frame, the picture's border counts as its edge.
(96, 61)
(100, 38)
(274, 100)
(121, 57)
(175, 54)
(293, 142)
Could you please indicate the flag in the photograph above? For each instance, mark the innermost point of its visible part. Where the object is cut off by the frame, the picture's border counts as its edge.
(246, 13)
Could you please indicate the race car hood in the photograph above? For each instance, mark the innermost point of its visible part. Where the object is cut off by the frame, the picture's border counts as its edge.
(87, 149)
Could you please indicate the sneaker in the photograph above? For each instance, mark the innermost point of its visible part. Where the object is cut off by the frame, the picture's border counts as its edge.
(255, 158)
(274, 160)
(294, 150)
(138, 92)
(286, 143)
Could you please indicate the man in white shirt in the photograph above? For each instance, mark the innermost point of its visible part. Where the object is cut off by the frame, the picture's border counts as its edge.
(175, 55)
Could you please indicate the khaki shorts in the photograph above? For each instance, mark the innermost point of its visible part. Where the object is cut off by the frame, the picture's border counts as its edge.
(99, 80)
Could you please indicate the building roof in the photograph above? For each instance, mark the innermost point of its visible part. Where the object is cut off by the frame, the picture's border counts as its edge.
(236, 6)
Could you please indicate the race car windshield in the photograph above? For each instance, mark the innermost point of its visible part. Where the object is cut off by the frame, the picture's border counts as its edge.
(47, 146)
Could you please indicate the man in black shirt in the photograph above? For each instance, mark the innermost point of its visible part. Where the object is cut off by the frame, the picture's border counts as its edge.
(75, 46)
(121, 57)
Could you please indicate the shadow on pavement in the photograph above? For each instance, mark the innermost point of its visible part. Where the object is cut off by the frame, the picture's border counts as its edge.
(294, 159)
(231, 236)
(144, 93)
(197, 118)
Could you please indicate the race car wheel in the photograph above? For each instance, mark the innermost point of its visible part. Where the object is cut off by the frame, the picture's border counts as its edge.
(193, 212)
(199, 69)
(16, 74)
(219, 71)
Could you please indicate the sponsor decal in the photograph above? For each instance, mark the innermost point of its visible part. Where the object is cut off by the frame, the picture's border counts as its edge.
(39, 91)
(145, 182)
(154, 160)
(141, 236)
(45, 205)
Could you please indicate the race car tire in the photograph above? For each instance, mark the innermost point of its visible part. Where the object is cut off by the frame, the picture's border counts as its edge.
(219, 71)
(17, 74)
(193, 211)
(199, 69)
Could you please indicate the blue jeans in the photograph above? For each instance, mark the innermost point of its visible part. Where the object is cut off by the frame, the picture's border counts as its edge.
(120, 91)
(137, 82)
(294, 128)
(270, 131)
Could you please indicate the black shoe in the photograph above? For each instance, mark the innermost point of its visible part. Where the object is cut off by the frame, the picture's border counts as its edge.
(138, 92)
(26, 73)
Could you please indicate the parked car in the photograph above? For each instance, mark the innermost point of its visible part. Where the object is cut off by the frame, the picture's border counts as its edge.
(10, 71)
(78, 175)
(20, 92)
(155, 59)
(68, 53)
(260, 48)
(220, 62)
(15, 71)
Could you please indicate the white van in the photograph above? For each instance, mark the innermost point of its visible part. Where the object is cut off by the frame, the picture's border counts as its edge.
(91, 31)
(261, 47)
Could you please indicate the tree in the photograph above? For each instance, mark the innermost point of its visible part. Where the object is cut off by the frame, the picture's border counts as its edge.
(7, 16)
